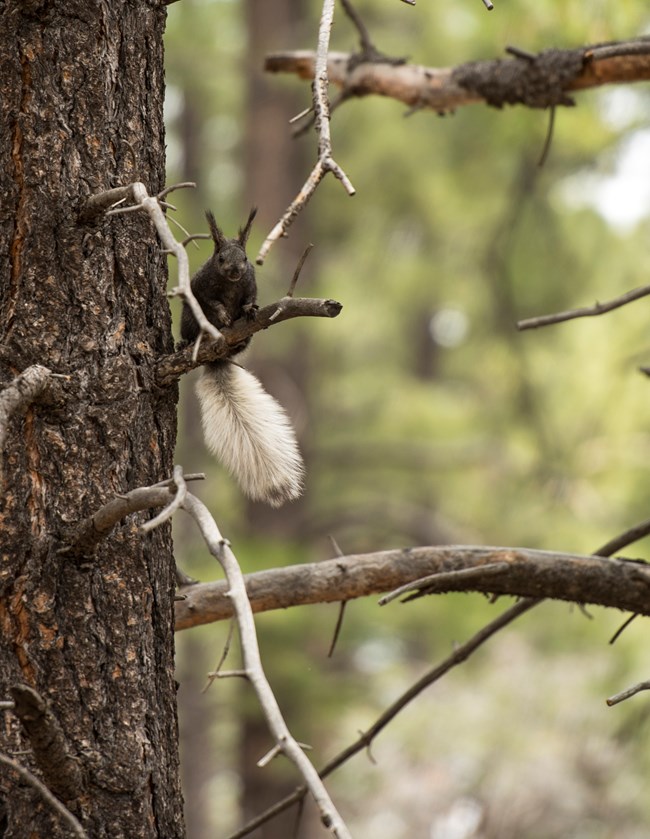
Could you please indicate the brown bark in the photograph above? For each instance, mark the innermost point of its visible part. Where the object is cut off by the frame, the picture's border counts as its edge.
(81, 90)
(617, 583)
(536, 81)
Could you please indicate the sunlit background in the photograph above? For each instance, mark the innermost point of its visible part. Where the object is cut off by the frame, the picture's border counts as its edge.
(426, 418)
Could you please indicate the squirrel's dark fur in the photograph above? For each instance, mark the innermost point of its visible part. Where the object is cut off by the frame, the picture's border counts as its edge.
(225, 286)
(244, 426)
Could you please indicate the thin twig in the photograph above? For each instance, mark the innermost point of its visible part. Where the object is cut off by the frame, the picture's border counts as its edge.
(586, 311)
(224, 655)
(292, 286)
(549, 137)
(325, 162)
(46, 795)
(626, 694)
(429, 584)
(623, 627)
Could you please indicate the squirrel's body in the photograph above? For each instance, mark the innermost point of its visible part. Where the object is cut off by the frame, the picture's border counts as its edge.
(243, 426)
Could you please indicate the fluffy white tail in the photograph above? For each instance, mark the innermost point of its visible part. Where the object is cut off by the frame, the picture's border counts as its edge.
(250, 433)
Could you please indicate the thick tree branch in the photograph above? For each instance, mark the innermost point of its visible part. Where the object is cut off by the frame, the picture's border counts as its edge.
(618, 583)
(82, 538)
(537, 81)
(458, 656)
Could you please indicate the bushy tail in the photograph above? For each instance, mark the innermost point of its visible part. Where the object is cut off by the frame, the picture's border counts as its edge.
(250, 433)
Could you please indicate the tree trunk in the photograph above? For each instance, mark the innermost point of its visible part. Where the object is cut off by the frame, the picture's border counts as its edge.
(81, 90)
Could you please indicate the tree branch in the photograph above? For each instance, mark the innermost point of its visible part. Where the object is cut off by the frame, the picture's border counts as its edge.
(254, 671)
(459, 655)
(536, 81)
(616, 583)
(18, 396)
(585, 311)
(170, 367)
(325, 162)
(82, 539)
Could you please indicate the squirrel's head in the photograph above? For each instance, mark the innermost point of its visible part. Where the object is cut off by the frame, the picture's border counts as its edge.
(231, 261)
(230, 254)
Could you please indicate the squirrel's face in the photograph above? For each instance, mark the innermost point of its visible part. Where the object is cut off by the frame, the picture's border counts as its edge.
(231, 263)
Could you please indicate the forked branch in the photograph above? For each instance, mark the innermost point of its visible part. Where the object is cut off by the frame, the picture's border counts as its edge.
(325, 162)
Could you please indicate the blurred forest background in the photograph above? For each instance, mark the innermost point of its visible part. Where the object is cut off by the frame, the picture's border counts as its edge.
(426, 418)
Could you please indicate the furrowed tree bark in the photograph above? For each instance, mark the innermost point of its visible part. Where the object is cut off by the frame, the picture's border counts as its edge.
(81, 91)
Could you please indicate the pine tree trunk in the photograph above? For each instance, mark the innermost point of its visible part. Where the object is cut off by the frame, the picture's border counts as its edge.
(81, 91)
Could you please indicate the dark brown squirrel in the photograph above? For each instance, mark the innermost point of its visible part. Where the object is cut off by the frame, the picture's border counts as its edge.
(243, 425)
(225, 286)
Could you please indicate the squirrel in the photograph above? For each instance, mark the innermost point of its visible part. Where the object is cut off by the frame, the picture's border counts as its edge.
(243, 426)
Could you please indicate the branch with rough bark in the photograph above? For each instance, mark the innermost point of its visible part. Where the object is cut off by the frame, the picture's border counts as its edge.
(540, 80)
(18, 396)
(170, 367)
(616, 583)
(460, 654)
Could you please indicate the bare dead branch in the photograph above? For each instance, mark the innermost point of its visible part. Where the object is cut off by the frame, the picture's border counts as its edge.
(254, 670)
(45, 794)
(169, 368)
(617, 583)
(459, 655)
(325, 162)
(540, 83)
(585, 311)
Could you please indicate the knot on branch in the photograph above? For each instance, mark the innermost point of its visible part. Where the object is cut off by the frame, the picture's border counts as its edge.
(371, 55)
(538, 81)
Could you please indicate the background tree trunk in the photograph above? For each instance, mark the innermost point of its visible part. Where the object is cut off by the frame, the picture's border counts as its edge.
(81, 91)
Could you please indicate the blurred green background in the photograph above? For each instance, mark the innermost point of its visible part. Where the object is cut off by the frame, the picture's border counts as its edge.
(426, 418)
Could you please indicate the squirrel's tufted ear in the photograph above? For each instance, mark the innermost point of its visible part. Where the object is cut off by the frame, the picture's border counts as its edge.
(215, 231)
(244, 231)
